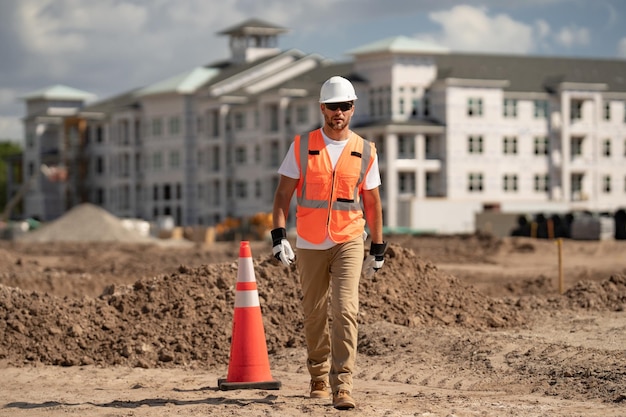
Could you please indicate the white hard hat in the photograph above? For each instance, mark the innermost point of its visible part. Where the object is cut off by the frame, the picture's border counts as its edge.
(336, 90)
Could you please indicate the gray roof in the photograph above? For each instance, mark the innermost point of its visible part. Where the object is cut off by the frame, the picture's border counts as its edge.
(124, 100)
(253, 27)
(184, 83)
(312, 80)
(533, 73)
(398, 44)
(59, 92)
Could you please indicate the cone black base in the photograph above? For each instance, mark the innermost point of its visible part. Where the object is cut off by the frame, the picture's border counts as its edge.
(224, 385)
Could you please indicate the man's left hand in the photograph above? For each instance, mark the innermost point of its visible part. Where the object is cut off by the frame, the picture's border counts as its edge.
(375, 260)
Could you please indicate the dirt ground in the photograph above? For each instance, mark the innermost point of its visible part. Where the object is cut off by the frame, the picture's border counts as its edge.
(451, 326)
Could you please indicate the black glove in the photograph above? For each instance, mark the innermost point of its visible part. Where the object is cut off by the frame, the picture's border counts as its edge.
(281, 247)
(375, 260)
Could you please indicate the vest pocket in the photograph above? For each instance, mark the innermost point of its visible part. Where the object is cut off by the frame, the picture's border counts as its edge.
(346, 184)
(317, 187)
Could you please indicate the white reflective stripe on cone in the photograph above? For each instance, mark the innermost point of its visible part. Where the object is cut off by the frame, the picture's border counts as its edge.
(247, 299)
(246, 270)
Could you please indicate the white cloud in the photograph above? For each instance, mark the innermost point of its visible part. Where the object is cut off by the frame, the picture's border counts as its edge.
(621, 48)
(46, 34)
(573, 36)
(8, 97)
(542, 28)
(11, 129)
(468, 28)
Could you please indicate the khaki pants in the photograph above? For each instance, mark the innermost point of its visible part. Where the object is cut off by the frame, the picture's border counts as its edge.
(333, 273)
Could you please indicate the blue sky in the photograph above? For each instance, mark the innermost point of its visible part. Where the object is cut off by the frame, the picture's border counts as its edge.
(111, 46)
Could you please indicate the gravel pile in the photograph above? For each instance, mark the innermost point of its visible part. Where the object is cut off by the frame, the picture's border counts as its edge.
(85, 223)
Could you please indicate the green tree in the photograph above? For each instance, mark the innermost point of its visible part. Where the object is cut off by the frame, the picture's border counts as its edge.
(6, 149)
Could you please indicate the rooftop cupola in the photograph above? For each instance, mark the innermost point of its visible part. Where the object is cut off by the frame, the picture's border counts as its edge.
(253, 39)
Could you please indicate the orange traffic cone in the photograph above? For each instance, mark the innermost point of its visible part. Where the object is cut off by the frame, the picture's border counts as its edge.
(249, 365)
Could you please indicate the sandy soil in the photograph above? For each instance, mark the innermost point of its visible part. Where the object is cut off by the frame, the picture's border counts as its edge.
(452, 326)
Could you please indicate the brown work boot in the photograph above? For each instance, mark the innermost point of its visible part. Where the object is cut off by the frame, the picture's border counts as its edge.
(342, 400)
(319, 389)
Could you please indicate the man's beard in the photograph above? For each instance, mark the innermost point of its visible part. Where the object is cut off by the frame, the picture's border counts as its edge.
(336, 124)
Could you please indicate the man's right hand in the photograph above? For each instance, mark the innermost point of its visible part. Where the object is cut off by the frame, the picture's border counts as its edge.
(281, 247)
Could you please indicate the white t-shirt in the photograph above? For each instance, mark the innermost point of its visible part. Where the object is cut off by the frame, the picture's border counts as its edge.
(290, 168)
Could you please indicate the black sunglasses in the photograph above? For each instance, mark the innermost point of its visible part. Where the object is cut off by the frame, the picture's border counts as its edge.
(345, 106)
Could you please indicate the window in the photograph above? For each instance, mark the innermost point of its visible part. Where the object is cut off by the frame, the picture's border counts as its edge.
(240, 154)
(406, 182)
(157, 127)
(431, 183)
(577, 186)
(274, 155)
(241, 189)
(541, 182)
(509, 182)
(415, 107)
(474, 107)
(474, 182)
(217, 192)
(302, 114)
(240, 120)
(257, 189)
(401, 105)
(510, 108)
(99, 165)
(99, 134)
(426, 106)
(215, 159)
(157, 161)
(606, 148)
(509, 145)
(541, 145)
(257, 154)
(174, 159)
(215, 123)
(174, 125)
(606, 184)
(540, 109)
(429, 147)
(199, 124)
(577, 146)
(406, 147)
(607, 110)
(167, 192)
(155, 192)
(124, 132)
(576, 110)
(475, 145)
(272, 111)
(99, 196)
(30, 139)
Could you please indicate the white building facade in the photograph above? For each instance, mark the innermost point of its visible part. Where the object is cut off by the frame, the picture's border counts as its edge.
(456, 134)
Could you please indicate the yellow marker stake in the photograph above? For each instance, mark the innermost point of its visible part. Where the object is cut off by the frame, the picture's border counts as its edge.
(559, 243)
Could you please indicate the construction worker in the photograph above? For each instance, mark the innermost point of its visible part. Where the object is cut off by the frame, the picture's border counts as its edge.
(335, 174)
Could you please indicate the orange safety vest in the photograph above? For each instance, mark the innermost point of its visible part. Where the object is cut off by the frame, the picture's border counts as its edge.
(329, 200)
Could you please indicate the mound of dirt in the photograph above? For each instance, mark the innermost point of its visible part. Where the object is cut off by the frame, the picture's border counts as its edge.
(85, 223)
(185, 318)
(591, 295)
